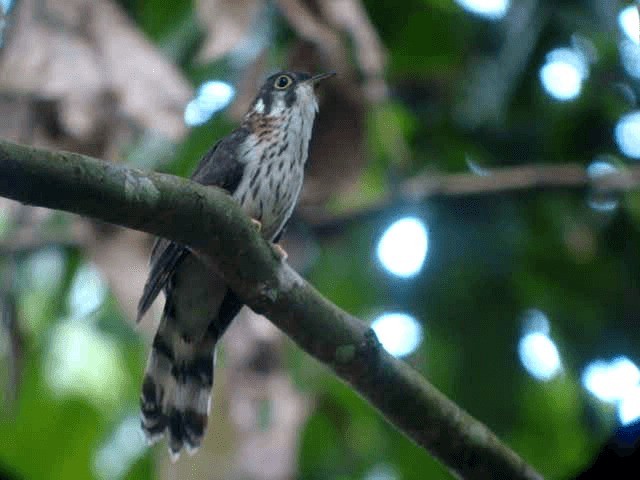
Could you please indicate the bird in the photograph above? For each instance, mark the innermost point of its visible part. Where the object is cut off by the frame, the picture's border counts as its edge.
(261, 166)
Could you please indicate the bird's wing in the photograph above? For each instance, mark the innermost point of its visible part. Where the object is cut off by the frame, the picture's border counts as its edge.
(219, 167)
(165, 256)
(222, 166)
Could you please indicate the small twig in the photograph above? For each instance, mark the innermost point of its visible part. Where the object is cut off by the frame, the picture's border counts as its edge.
(507, 180)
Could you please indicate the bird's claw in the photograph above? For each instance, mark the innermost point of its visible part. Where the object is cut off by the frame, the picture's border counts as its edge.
(277, 249)
(257, 224)
(280, 252)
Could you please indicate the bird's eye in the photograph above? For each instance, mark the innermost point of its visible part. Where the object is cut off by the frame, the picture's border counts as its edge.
(282, 82)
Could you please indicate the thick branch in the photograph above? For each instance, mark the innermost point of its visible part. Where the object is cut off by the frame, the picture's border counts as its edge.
(207, 220)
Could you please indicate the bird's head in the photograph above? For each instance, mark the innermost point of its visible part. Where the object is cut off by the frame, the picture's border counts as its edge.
(285, 92)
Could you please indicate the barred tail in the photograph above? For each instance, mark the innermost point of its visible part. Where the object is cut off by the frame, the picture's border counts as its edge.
(176, 391)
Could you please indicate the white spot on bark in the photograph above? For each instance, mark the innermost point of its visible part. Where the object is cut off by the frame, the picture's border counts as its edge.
(140, 188)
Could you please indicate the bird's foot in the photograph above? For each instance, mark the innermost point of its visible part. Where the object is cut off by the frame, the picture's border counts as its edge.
(277, 249)
(257, 224)
(280, 252)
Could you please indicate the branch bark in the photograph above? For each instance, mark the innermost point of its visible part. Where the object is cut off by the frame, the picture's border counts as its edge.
(213, 225)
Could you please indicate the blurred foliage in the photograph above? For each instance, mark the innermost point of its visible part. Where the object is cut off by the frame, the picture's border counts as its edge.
(490, 259)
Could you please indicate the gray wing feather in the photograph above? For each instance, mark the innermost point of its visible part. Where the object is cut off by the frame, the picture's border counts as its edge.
(219, 167)
(165, 256)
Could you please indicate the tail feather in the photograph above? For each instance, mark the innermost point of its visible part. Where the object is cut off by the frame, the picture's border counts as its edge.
(154, 420)
(176, 390)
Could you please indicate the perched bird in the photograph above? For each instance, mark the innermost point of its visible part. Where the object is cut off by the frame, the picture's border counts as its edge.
(261, 165)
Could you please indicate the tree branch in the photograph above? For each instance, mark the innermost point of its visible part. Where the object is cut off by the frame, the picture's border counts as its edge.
(207, 220)
(504, 180)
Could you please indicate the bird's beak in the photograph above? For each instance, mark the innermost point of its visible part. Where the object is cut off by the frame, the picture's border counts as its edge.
(321, 76)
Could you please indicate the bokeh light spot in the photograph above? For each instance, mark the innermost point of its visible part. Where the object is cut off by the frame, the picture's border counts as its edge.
(600, 168)
(611, 381)
(83, 361)
(616, 382)
(490, 9)
(535, 321)
(476, 168)
(5, 6)
(563, 73)
(403, 247)
(629, 406)
(630, 57)
(88, 291)
(627, 134)
(539, 356)
(382, 472)
(602, 201)
(211, 97)
(45, 268)
(630, 23)
(399, 333)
